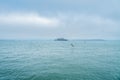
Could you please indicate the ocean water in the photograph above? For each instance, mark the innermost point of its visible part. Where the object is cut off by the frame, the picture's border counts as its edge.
(58, 60)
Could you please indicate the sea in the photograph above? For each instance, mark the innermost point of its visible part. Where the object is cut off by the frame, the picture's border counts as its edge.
(59, 60)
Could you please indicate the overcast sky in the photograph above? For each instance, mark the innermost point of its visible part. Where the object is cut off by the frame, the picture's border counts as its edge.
(44, 19)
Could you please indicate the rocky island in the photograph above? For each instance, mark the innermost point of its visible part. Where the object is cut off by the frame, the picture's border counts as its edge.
(61, 39)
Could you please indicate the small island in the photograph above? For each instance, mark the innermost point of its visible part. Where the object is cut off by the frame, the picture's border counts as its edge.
(60, 39)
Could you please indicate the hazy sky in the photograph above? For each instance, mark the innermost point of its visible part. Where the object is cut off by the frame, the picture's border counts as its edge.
(41, 19)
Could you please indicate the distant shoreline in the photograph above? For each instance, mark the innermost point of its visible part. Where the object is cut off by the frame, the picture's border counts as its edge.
(54, 40)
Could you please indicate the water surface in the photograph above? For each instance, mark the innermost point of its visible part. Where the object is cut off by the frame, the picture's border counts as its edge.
(58, 60)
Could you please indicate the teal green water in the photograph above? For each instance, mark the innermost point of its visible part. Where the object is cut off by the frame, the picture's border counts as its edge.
(58, 60)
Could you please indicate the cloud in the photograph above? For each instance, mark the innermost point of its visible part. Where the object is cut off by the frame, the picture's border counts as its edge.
(27, 19)
(88, 21)
(89, 25)
(66, 25)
